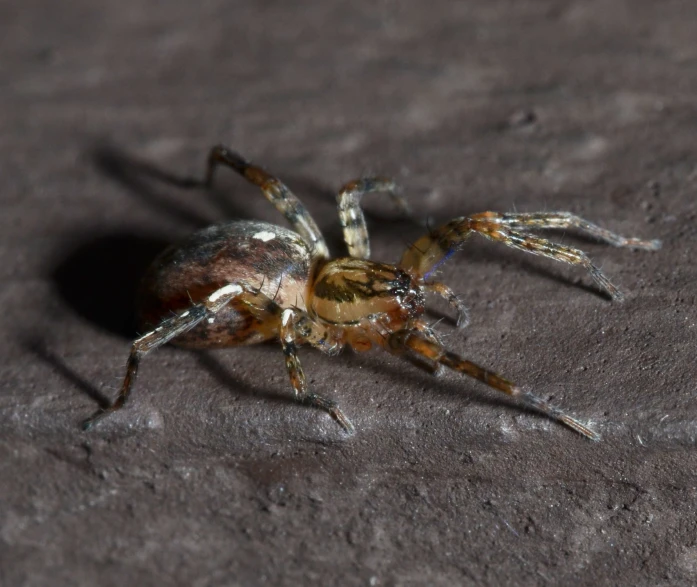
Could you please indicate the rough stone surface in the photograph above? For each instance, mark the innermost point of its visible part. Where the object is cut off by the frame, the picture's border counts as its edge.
(212, 475)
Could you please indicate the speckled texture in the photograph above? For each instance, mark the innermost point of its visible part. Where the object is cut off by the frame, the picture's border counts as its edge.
(212, 476)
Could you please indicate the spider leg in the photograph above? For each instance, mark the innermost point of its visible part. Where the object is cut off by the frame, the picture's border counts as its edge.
(351, 215)
(562, 220)
(442, 290)
(430, 251)
(416, 342)
(296, 328)
(276, 192)
(166, 331)
(419, 360)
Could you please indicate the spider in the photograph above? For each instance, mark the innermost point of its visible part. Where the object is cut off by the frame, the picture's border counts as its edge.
(246, 282)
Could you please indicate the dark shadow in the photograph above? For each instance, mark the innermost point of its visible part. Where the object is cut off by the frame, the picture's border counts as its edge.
(99, 278)
(140, 179)
(38, 349)
(208, 362)
(493, 254)
(571, 282)
(410, 376)
(229, 381)
(437, 315)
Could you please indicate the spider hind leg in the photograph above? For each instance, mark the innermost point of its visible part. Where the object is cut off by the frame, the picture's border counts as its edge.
(275, 192)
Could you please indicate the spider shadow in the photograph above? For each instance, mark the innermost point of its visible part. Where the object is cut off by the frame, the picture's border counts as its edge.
(139, 176)
(409, 374)
(143, 180)
(99, 278)
(98, 274)
(227, 379)
(39, 349)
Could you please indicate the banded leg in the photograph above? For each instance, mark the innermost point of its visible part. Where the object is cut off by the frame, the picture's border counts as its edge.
(419, 344)
(297, 328)
(431, 251)
(276, 192)
(419, 360)
(546, 220)
(351, 215)
(442, 290)
(166, 331)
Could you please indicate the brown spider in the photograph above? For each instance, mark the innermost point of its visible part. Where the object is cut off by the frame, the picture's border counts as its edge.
(245, 282)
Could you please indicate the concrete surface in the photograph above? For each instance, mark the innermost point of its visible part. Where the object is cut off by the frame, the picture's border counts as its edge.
(212, 475)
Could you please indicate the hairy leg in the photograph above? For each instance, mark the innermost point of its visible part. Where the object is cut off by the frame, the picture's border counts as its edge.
(442, 290)
(166, 331)
(417, 343)
(562, 220)
(428, 253)
(351, 215)
(297, 328)
(276, 192)
(419, 360)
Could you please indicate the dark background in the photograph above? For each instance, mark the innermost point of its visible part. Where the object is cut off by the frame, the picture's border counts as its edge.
(213, 476)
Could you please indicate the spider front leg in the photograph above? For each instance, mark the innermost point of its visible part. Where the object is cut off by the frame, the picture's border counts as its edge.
(166, 331)
(297, 328)
(415, 342)
(547, 220)
(351, 215)
(275, 191)
(429, 252)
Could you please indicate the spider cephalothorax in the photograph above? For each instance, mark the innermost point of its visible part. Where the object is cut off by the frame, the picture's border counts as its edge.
(247, 282)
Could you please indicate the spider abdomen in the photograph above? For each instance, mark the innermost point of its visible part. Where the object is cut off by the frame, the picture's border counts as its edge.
(270, 259)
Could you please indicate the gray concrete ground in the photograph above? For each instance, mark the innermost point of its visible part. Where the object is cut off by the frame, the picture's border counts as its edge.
(212, 475)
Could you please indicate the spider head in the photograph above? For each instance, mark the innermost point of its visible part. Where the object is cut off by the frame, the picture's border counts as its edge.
(350, 291)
